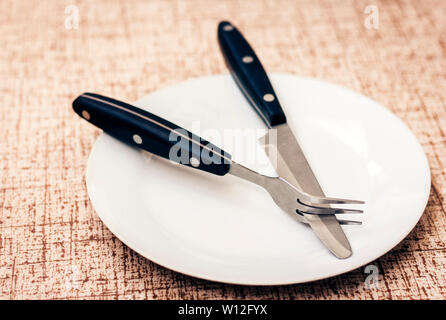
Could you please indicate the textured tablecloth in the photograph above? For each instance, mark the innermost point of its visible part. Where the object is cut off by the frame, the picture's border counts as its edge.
(52, 243)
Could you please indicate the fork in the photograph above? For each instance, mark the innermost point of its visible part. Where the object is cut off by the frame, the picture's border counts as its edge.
(142, 129)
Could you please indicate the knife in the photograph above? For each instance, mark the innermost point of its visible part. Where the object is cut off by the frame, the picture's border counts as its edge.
(248, 73)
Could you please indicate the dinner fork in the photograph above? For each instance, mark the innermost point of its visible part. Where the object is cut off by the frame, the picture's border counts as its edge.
(147, 131)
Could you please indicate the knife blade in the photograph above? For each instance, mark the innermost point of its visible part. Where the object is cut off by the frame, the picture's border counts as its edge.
(294, 167)
(250, 76)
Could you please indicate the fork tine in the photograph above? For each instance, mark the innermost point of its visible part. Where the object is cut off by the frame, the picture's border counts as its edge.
(347, 211)
(308, 198)
(304, 208)
(343, 201)
(341, 221)
(349, 222)
(325, 209)
(320, 200)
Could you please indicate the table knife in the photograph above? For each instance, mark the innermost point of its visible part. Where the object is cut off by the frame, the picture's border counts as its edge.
(250, 76)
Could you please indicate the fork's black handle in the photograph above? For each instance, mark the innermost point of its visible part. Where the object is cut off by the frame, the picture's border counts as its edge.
(147, 131)
(249, 74)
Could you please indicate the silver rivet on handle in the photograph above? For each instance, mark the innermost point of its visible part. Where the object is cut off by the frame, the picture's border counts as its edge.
(137, 139)
(247, 59)
(268, 97)
(228, 27)
(85, 115)
(194, 162)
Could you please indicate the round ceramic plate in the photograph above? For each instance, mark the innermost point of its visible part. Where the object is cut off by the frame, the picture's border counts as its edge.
(225, 229)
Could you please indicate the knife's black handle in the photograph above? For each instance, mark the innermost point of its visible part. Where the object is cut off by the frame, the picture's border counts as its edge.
(147, 131)
(249, 74)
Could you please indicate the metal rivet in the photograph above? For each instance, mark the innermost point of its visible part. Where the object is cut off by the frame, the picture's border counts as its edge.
(247, 59)
(228, 27)
(85, 115)
(137, 139)
(268, 97)
(194, 162)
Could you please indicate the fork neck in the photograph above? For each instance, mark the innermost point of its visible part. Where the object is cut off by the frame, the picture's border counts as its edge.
(247, 174)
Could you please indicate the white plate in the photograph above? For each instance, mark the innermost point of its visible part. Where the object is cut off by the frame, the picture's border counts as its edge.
(228, 230)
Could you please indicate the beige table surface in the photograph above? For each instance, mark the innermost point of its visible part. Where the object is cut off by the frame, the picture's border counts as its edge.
(52, 243)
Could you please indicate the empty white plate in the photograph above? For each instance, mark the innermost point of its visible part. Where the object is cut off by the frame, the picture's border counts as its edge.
(229, 230)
